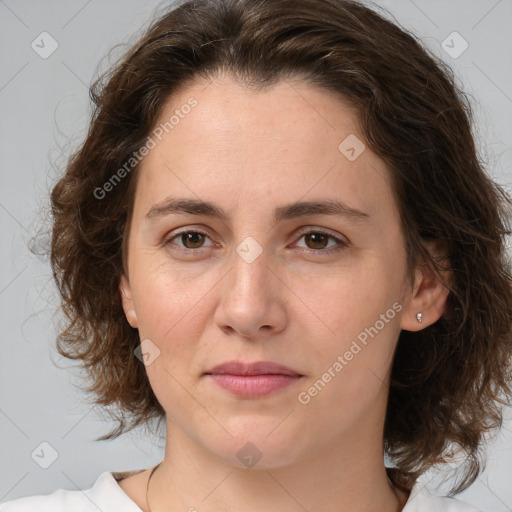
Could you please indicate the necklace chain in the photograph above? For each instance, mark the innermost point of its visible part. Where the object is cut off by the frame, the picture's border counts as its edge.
(147, 488)
(156, 467)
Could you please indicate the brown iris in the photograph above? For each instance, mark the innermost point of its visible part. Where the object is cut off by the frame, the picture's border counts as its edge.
(194, 239)
(317, 239)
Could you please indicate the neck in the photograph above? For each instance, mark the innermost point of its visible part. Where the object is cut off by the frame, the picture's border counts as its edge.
(348, 476)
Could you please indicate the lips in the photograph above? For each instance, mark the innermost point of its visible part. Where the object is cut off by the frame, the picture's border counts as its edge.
(252, 380)
(256, 368)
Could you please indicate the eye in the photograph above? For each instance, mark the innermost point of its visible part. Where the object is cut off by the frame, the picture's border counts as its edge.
(190, 239)
(317, 241)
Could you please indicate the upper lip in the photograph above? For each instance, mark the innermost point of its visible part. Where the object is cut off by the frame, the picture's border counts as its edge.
(256, 368)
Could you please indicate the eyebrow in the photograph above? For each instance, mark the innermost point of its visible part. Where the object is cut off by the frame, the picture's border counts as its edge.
(290, 211)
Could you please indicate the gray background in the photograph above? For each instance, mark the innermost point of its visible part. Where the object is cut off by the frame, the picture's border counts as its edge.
(44, 112)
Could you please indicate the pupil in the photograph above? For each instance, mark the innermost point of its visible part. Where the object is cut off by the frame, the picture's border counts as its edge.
(315, 239)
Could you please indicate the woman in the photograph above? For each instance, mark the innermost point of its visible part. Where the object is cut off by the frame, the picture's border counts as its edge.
(278, 238)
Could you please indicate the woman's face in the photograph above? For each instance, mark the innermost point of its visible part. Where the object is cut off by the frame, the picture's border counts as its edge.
(275, 278)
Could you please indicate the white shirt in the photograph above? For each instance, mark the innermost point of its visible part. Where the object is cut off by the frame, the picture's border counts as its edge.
(106, 495)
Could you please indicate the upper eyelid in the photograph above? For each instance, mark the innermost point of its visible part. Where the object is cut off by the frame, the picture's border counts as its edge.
(314, 229)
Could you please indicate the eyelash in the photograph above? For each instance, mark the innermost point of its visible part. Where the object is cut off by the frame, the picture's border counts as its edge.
(340, 243)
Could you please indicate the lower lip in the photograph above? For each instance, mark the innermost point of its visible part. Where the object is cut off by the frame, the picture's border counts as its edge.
(253, 386)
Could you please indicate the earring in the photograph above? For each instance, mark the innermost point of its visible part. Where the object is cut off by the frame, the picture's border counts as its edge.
(419, 317)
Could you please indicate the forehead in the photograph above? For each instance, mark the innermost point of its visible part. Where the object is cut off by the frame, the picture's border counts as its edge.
(290, 114)
(291, 141)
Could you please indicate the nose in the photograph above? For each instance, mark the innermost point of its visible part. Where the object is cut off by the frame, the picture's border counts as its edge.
(252, 298)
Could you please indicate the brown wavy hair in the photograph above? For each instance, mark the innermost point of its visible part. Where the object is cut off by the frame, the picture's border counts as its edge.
(450, 380)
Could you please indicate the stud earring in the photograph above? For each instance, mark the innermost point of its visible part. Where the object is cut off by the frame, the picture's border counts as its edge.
(419, 317)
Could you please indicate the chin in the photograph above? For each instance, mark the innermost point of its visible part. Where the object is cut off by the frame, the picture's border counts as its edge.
(256, 443)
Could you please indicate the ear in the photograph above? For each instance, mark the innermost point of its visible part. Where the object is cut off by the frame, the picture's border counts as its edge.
(428, 296)
(127, 300)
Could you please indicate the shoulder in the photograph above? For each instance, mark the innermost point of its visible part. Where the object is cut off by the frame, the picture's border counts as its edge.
(422, 500)
(105, 495)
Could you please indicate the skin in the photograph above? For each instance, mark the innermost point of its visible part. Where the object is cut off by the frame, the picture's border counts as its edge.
(250, 152)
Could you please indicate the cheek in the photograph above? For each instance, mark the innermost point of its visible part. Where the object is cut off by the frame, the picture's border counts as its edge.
(356, 297)
(354, 362)
(171, 315)
(360, 310)
(169, 308)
